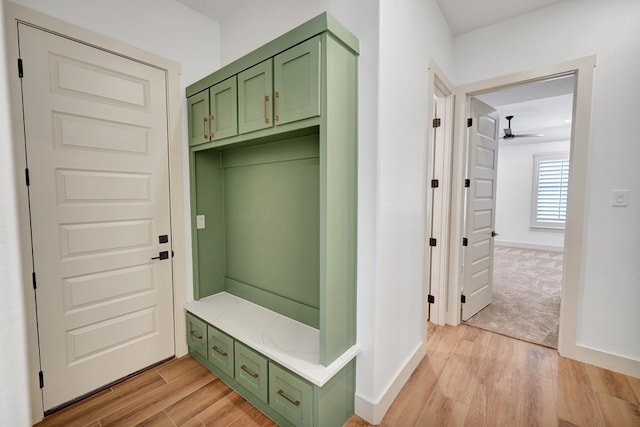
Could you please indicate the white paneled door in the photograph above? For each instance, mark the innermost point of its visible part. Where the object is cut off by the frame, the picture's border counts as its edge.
(96, 143)
(481, 208)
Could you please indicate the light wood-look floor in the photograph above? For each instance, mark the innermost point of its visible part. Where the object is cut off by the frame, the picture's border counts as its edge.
(470, 377)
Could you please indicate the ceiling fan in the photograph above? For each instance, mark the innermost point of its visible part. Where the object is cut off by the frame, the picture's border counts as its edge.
(508, 133)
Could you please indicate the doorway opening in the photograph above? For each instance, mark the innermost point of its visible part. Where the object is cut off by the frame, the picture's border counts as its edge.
(583, 71)
(531, 193)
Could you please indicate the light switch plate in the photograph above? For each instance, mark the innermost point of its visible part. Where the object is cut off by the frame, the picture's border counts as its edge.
(620, 198)
(199, 222)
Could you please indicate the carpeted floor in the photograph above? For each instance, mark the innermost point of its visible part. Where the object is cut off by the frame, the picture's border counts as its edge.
(526, 296)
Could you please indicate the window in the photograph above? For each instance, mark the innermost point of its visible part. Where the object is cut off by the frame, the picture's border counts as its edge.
(550, 187)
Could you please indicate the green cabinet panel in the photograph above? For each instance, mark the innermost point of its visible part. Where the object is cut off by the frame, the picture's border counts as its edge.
(297, 82)
(221, 350)
(290, 396)
(255, 105)
(251, 371)
(198, 112)
(197, 335)
(223, 120)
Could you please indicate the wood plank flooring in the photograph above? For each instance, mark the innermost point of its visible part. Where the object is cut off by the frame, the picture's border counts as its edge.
(470, 377)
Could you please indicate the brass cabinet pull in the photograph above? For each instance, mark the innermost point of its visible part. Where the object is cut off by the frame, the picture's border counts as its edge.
(210, 122)
(253, 374)
(220, 352)
(284, 396)
(266, 99)
(204, 127)
(276, 117)
(193, 334)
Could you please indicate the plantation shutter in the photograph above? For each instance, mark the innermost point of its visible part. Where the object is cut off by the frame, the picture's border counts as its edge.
(551, 186)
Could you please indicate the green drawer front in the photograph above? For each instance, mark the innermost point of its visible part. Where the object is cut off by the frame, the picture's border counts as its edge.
(290, 396)
(251, 371)
(197, 335)
(220, 350)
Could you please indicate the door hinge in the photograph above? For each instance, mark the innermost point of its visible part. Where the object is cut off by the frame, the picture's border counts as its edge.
(437, 123)
(432, 241)
(20, 69)
(41, 379)
(467, 183)
(463, 299)
(431, 299)
(465, 241)
(33, 279)
(469, 122)
(435, 183)
(26, 176)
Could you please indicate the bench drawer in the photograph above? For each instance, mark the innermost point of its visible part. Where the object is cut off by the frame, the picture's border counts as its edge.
(197, 335)
(251, 371)
(290, 396)
(220, 350)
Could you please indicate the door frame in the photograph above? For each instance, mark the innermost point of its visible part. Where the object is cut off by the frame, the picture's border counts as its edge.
(14, 14)
(439, 164)
(583, 69)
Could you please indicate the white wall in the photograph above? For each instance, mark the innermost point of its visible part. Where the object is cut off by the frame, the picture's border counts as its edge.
(514, 192)
(608, 307)
(14, 402)
(396, 40)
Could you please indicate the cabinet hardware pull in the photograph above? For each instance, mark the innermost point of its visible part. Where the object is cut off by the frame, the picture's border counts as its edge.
(193, 334)
(210, 123)
(284, 396)
(253, 374)
(266, 99)
(276, 117)
(217, 350)
(204, 127)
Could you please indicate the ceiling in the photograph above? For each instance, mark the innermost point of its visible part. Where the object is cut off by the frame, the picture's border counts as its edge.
(544, 107)
(468, 15)
(462, 15)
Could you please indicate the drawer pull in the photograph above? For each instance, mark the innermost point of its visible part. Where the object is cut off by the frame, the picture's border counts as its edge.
(276, 117)
(253, 374)
(211, 135)
(220, 352)
(193, 334)
(284, 396)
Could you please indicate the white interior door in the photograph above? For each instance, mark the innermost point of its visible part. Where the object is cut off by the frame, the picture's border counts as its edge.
(96, 143)
(480, 208)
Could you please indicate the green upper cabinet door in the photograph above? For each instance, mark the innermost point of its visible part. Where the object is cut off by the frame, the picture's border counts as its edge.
(223, 121)
(297, 82)
(198, 106)
(255, 86)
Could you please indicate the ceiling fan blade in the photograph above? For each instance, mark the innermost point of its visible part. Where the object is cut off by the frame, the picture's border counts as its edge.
(527, 135)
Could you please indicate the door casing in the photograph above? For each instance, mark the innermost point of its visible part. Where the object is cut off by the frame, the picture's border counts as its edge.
(438, 200)
(13, 14)
(582, 68)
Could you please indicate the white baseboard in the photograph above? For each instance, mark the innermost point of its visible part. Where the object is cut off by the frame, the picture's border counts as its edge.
(602, 359)
(522, 245)
(374, 411)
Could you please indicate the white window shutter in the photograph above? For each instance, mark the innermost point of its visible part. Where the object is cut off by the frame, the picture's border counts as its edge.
(551, 185)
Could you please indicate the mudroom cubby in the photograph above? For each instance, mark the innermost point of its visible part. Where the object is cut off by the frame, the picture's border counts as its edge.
(273, 165)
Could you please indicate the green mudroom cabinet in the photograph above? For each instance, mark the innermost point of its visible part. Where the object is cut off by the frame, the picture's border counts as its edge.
(273, 165)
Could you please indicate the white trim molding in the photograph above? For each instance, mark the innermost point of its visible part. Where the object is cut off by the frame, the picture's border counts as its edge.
(373, 410)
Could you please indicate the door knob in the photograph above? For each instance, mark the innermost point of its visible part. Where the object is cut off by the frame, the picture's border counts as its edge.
(162, 255)
(494, 234)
